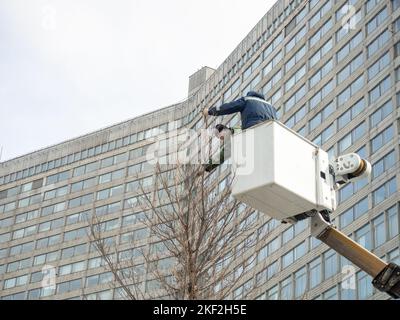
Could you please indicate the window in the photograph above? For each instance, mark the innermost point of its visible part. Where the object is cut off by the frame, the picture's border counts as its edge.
(49, 241)
(131, 254)
(37, 277)
(46, 258)
(383, 164)
(272, 64)
(300, 282)
(315, 272)
(273, 293)
(351, 113)
(364, 285)
(73, 251)
(85, 169)
(330, 264)
(379, 229)
(325, 135)
(12, 191)
(58, 177)
(272, 269)
(321, 94)
(351, 188)
(8, 207)
(382, 138)
(4, 223)
(55, 208)
(378, 66)
(286, 289)
(72, 268)
(273, 82)
(377, 20)
(321, 73)
(394, 256)
(395, 4)
(27, 216)
(51, 225)
(384, 111)
(356, 211)
(232, 89)
(95, 263)
(295, 98)
(135, 235)
(393, 221)
(343, 32)
(320, 13)
(350, 68)
(363, 237)
(81, 201)
(349, 46)
(321, 116)
(296, 39)
(78, 217)
(109, 225)
(108, 209)
(19, 265)
(261, 277)
(330, 294)
(341, 12)
(378, 42)
(384, 191)
(288, 235)
(274, 98)
(351, 138)
(295, 78)
(69, 286)
(321, 32)
(379, 90)
(82, 185)
(296, 117)
(273, 245)
(110, 192)
(75, 234)
(107, 162)
(295, 59)
(16, 282)
(59, 192)
(293, 255)
(296, 21)
(28, 201)
(22, 248)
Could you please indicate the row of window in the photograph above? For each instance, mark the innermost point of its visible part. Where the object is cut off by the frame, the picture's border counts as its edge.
(318, 270)
(79, 186)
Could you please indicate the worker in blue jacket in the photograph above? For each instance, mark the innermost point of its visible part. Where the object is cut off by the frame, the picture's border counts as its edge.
(253, 109)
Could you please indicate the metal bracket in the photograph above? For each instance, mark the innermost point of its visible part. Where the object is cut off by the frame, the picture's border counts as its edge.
(389, 280)
(319, 225)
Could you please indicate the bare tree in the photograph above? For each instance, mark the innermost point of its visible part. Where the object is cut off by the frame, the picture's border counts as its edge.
(194, 226)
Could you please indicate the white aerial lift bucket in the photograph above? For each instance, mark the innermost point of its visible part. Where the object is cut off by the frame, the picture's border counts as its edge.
(280, 173)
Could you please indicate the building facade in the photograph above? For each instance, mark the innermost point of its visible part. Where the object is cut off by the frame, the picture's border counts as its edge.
(330, 67)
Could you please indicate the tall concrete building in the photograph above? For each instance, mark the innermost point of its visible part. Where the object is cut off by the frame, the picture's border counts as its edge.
(330, 67)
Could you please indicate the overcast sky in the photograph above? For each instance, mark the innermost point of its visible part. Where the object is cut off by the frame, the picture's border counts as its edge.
(69, 67)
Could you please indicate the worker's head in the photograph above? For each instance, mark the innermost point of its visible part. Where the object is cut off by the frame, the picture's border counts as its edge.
(222, 131)
(255, 94)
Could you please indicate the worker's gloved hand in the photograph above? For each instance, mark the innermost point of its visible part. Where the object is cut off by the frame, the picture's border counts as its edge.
(205, 112)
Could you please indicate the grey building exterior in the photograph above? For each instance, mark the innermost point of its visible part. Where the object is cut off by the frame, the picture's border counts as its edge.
(333, 77)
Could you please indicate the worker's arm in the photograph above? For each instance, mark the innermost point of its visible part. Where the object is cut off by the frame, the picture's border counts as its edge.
(228, 108)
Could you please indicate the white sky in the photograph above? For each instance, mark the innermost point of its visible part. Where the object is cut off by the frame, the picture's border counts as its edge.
(69, 67)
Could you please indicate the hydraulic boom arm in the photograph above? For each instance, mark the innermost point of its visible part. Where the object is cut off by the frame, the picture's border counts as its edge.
(386, 276)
